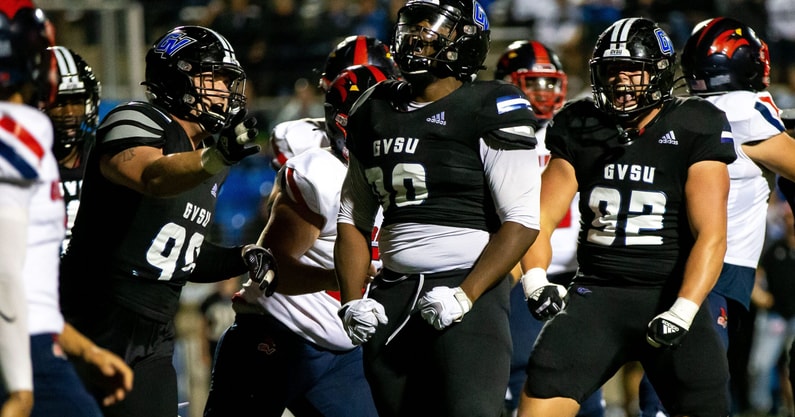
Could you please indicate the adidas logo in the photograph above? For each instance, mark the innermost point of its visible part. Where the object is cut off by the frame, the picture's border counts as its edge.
(438, 119)
(668, 327)
(668, 139)
(214, 190)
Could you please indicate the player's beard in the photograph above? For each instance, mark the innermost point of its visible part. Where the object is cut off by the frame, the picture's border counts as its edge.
(420, 80)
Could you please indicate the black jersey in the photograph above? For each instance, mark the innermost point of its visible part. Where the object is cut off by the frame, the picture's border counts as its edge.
(71, 181)
(425, 164)
(634, 225)
(137, 250)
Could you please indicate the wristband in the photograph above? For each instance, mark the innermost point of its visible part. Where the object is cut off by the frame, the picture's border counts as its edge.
(534, 279)
(212, 161)
(684, 309)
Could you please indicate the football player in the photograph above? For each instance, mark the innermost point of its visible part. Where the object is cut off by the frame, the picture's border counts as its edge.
(726, 63)
(74, 115)
(295, 337)
(653, 194)
(451, 161)
(147, 200)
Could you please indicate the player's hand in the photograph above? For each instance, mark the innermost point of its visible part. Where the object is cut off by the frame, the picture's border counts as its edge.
(233, 143)
(116, 375)
(669, 328)
(443, 306)
(544, 299)
(361, 318)
(261, 266)
(17, 404)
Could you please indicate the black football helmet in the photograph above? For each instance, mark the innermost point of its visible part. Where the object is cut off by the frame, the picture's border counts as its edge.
(632, 44)
(538, 71)
(177, 58)
(342, 94)
(77, 85)
(723, 54)
(457, 32)
(356, 50)
(25, 35)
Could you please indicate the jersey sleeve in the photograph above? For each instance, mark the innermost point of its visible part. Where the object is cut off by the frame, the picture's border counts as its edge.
(25, 138)
(714, 140)
(753, 115)
(311, 179)
(129, 125)
(506, 115)
(295, 137)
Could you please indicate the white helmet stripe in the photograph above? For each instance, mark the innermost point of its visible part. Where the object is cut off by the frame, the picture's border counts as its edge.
(620, 35)
(67, 68)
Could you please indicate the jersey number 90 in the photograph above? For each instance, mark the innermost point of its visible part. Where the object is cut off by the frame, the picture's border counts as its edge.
(405, 186)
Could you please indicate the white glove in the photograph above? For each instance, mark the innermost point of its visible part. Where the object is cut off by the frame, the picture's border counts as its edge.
(670, 327)
(442, 306)
(361, 317)
(544, 300)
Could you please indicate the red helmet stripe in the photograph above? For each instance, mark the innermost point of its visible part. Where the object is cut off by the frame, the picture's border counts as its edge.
(542, 57)
(360, 51)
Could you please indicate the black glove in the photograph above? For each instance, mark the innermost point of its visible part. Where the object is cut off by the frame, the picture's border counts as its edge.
(233, 143)
(261, 266)
(233, 139)
(544, 299)
(669, 328)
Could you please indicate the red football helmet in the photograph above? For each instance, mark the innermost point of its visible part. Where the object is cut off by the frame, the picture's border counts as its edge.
(534, 68)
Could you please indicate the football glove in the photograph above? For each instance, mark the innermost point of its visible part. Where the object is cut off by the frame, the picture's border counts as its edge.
(232, 144)
(544, 299)
(443, 306)
(669, 328)
(261, 267)
(361, 318)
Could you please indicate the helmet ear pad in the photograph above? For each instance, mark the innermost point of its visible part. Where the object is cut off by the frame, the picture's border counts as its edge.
(178, 70)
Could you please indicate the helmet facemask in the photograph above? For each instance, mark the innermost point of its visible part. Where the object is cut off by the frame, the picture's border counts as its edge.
(71, 121)
(626, 89)
(546, 92)
(210, 105)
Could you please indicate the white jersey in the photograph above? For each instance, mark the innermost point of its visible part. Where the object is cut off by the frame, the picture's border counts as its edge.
(295, 137)
(313, 178)
(564, 238)
(753, 117)
(29, 181)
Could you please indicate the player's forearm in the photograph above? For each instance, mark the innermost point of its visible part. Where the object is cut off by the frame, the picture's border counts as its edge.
(351, 261)
(703, 268)
(501, 254)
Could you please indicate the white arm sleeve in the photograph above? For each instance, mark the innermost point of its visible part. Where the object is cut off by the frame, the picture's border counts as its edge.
(358, 205)
(514, 178)
(15, 363)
